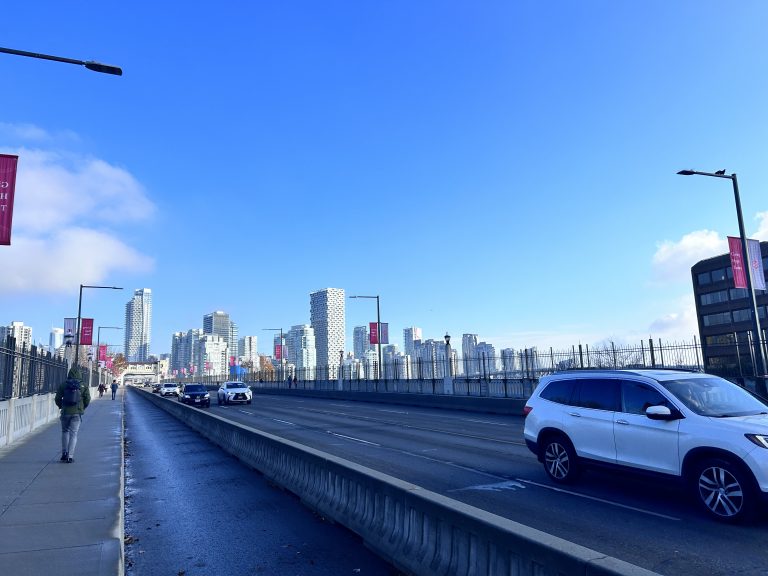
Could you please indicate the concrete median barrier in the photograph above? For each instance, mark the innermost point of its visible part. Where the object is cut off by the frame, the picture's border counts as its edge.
(420, 532)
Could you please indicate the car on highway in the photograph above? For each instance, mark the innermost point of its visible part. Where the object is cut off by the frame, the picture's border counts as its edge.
(195, 395)
(232, 391)
(156, 388)
(169, 389)
(696, 429)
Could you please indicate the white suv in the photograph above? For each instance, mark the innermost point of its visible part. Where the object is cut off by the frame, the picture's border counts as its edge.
(690, 426)
(169, 389)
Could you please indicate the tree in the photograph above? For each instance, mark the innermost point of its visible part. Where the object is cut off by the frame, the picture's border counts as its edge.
(119, 364)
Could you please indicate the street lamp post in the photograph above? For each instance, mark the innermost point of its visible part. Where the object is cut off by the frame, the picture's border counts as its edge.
(378, 332)
(79, 309)
(91, 65)
(282, 350)
(98, 344)
(760, 368)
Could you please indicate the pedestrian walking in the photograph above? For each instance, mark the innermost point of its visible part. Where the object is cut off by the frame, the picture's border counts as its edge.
(102, 389)
(114, 388)
(72, 397)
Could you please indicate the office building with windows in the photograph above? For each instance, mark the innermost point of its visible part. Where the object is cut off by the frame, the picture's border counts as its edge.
(138, 326)
(300, 350)
(360, 342)
(219, 323)
(411, 340)
(22, 334)
(327, 318)
(724, 315)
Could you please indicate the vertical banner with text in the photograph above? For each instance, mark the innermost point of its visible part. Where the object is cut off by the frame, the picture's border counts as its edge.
(756, 264)
(102, 352)
(86, 331)
(70, 325)
(384, 333)
(7, 188)
(737, 262)
(374, 329)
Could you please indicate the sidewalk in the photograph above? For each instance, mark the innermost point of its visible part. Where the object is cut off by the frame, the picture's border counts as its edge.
(64, 519)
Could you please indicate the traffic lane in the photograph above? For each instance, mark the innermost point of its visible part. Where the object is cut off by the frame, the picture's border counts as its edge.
(193, 509)
(603, 513)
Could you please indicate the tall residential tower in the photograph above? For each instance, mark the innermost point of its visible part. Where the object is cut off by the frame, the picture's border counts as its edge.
(138, 325)
(326, 313)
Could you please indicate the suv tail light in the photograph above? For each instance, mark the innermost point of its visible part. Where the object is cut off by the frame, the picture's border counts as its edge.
(527, 410)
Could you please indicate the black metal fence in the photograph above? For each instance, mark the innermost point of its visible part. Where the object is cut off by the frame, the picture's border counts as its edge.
(25, 371)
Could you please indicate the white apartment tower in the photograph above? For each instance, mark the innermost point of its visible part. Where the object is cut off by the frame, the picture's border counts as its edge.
(300, 344)
(219, 323)
(410, 337)
(22, 334)
(326, 313)
(55, 339)
(360, 342)
(138, 325)
(249, 351)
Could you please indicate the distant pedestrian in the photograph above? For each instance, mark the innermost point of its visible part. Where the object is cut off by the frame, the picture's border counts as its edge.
(114, 388)
(72, 397)
(102, 389)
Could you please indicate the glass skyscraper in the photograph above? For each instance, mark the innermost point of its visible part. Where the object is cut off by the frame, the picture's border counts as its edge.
(138, 325)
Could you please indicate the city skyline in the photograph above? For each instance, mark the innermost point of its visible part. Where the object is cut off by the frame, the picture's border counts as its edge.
(502, 169)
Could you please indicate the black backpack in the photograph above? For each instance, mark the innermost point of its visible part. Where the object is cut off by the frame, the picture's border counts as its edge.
(71, 392)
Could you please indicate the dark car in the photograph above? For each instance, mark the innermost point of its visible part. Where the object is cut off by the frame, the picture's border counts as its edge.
(195, 395)
(156, 388)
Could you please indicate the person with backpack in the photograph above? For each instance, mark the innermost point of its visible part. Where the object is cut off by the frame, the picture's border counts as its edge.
(114, 388)
(72, 397)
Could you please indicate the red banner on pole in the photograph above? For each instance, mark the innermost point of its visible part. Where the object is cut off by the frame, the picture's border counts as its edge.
(278, 351)
(102, 352)
(86, 331)
(7, 188)
(374, 329)
(737, 262)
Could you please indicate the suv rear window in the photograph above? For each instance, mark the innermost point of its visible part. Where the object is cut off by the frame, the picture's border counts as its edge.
(560, 391)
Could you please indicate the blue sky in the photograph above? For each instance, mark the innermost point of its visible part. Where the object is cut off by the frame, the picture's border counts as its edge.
(499, 168)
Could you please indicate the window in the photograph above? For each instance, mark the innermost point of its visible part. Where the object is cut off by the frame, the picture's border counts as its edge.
(716, 319)
(560, 391)
(738, 293)
(743, 315)
(714, 297)
(718, 275)
(637, 397)
(599, 394)
(705, 278)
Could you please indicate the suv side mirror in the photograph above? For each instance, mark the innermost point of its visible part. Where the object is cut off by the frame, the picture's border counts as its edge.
(662, 413)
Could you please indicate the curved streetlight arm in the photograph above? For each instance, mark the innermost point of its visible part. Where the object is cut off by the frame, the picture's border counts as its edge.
(90, 64)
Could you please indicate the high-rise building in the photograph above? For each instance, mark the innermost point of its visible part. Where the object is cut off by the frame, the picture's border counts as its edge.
(17, 330)
(469, 355)
(326, 312)
(219, 323)
(249, 351)
(56, 339)
(138, 326)
(211, 355)
(410, 338)
(360, 342)
(300, 346)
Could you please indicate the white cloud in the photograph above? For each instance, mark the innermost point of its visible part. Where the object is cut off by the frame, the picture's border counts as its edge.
(66, 259)
(762, 227)
(680, 324)
(672, 261)
(68, 212)
(55, 190)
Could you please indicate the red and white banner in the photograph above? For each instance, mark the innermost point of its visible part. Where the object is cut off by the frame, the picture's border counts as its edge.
(278, 352)
(737, 262)
(756, 264)
(7, 188)
(102, 352)
(374, 336)
(86, 331)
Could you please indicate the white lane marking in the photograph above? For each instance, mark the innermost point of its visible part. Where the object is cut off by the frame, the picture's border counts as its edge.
(284, 421)
(595, 499)
(497, 487)
(483, 422)
(246, 412)
(353, 438)
(341, 405)
(394, 411)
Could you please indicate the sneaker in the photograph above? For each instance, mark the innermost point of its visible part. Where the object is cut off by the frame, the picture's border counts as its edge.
(64, 457)
(70, 459)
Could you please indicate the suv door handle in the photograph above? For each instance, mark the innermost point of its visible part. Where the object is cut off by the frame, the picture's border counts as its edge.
(575, 414)
(622, 422)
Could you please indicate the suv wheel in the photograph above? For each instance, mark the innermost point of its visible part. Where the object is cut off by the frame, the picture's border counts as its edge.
(560, 461)
(724, 490)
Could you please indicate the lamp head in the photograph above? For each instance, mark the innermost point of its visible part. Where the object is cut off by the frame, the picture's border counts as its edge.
(447, 339)
(686, 173)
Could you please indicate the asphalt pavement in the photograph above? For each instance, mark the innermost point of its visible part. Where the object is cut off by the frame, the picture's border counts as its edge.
(63, 519)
